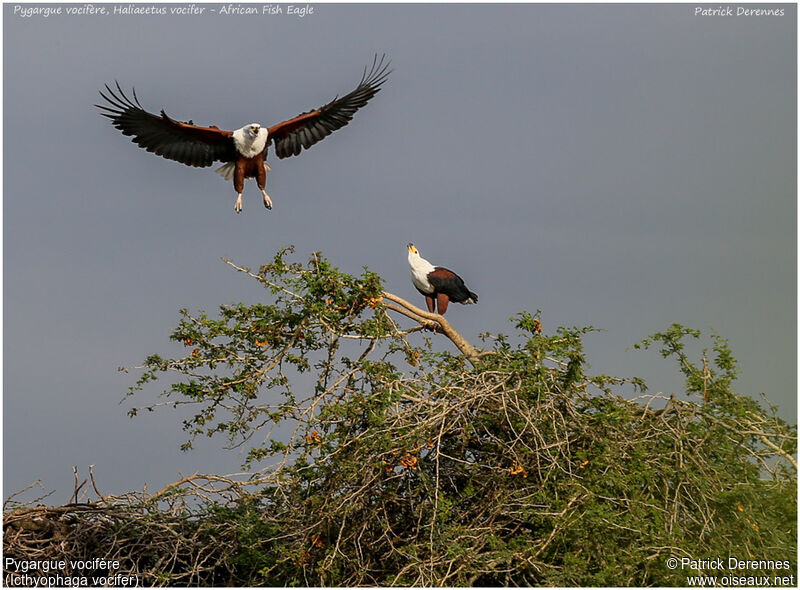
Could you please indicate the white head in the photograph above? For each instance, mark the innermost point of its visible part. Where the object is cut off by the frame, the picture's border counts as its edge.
(250, 139)
(417, 262)
(419, 269)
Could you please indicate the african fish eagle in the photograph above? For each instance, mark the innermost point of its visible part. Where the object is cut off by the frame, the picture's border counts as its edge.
(244, 151)
(438, 284)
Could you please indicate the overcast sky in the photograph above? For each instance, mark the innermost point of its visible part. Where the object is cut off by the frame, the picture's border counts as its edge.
(624, 166)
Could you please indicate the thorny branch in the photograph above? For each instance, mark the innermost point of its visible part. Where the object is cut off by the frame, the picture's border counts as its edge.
(163, 537)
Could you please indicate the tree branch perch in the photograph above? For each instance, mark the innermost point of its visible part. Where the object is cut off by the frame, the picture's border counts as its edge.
(436, 322)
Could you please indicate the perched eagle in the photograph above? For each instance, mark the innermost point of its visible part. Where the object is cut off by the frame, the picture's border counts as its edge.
(244, 151)
(438, 284)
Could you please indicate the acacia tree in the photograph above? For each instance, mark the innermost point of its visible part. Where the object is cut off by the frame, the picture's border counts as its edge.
(378, 459)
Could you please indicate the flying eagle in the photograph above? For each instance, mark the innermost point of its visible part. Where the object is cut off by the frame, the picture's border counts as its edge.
(438, 284)
(244, 151)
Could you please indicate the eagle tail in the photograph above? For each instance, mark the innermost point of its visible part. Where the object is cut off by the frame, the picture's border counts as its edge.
(226, 170)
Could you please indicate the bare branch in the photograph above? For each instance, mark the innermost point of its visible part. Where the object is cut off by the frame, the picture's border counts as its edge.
(426, 318)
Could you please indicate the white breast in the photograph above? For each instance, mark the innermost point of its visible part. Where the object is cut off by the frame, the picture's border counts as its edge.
(419, 272)
(420, 281)
(246, 144)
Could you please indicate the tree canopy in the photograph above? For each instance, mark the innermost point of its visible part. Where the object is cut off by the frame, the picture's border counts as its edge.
(379, 455)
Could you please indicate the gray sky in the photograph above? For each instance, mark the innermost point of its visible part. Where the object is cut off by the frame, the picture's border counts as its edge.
(624, 166)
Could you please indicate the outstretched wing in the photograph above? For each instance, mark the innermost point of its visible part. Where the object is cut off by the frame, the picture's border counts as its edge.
(183, 142)
(304, 130)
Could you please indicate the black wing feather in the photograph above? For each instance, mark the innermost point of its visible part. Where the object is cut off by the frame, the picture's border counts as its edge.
(447, 282)
(308, 128)
(166, 137)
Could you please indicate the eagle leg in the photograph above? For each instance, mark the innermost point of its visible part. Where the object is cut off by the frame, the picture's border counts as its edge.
(431, 303)
(238, 183)
(443, 300)
(267, 200)
(261, 179)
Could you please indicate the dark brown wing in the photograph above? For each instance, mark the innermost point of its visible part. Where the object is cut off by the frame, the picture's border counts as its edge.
(183, 142)
(306, 129)
(447, 282)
